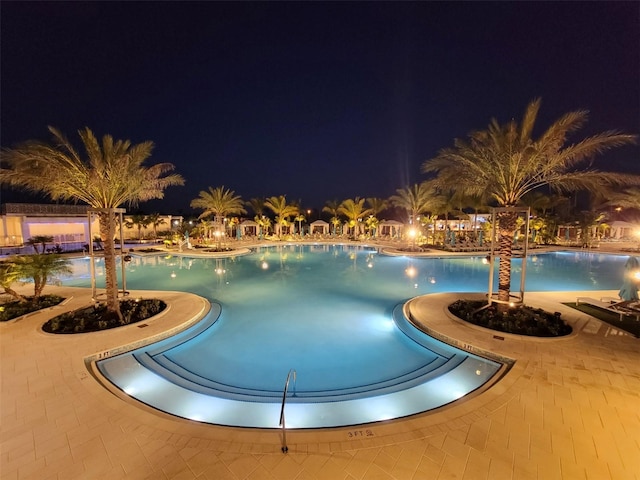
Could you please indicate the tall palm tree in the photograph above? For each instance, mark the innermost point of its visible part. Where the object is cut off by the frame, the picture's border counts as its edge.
(417, 199)
(137, 220)
(331, 207)
(218, 202)
(335, 222)
(256, 205)
(282, 210)
(476, 203)
(300, 218)
(506, 162)
(109, 175)
(377, 205)
(354, 210)
(539, 202)
(450, 203)
(627, 198)
(155, 220)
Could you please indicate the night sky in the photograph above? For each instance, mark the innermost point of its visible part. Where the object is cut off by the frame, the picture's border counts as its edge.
(316, 101)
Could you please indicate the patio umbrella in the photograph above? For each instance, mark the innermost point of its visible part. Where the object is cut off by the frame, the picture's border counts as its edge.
(629, 289)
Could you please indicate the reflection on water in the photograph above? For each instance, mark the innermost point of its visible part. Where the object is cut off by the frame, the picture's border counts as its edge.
(365, 267)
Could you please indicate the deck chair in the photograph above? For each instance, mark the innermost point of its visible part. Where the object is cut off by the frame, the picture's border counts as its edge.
(622, 308)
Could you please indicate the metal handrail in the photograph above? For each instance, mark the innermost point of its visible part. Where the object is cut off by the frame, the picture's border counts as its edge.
(285, 449)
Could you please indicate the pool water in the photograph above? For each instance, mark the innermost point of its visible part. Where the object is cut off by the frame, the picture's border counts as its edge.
(331, 313)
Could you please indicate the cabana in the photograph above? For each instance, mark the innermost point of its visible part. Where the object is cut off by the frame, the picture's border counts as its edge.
(620, 230)
(391, 228)
(248, 227)
(319, 226)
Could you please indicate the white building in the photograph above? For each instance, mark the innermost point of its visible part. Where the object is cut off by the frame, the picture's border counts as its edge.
(67, 224)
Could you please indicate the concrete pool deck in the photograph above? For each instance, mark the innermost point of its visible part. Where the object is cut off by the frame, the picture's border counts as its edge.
(569, 408)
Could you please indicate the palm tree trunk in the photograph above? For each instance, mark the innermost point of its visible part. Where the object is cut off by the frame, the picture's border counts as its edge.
(14, 294)
(506, 228)
(107, 232)
(39, 281)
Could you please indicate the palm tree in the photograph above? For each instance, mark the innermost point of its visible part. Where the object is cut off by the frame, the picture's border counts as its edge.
(137, 220)
(111, 175)
(429, 221)
(377, 205)
(331, 207)
(539, 202)
(417, 199)
(300, 218)
(278, 205)
(155, 220)
(476, 203)
(39, 240)
(257, 206)
(506, 163)
(264, 223)
(9, 274)
(627, 198)
(450, 203)
(588, 221)
(371, 224)
(218, 202)
(335, 221)
(42, 269)
(354, 211)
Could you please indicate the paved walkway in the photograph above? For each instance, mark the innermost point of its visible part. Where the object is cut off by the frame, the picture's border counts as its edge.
(569, 408)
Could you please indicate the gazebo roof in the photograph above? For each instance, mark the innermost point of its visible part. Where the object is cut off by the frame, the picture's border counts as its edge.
(249, 223)
(319, 222)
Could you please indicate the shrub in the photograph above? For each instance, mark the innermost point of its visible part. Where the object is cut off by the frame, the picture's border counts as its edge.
(11, 310)
(97, 317)
(521, 320)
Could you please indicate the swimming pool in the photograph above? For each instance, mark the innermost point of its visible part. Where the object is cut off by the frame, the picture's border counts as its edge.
(331, 314)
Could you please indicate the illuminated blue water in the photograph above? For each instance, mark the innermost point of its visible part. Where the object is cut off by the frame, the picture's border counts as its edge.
(327, 312)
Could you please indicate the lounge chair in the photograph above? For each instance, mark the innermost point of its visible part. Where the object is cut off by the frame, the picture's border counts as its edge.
(622, 308)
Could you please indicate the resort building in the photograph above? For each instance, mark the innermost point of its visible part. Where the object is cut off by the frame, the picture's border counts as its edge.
(67, 224)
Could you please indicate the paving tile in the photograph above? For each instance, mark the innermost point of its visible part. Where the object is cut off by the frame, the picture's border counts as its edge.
(500, 469)
(524, 467)
(540, 439)
(427, 469)
(571, 470)
(478, 434)
(477, 466)
(568, 409)
(548, 464)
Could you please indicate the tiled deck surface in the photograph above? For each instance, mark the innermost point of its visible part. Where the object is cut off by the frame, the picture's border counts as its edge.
(569, 408)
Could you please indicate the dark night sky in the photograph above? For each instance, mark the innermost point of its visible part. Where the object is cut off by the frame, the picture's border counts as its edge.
(318, 101)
